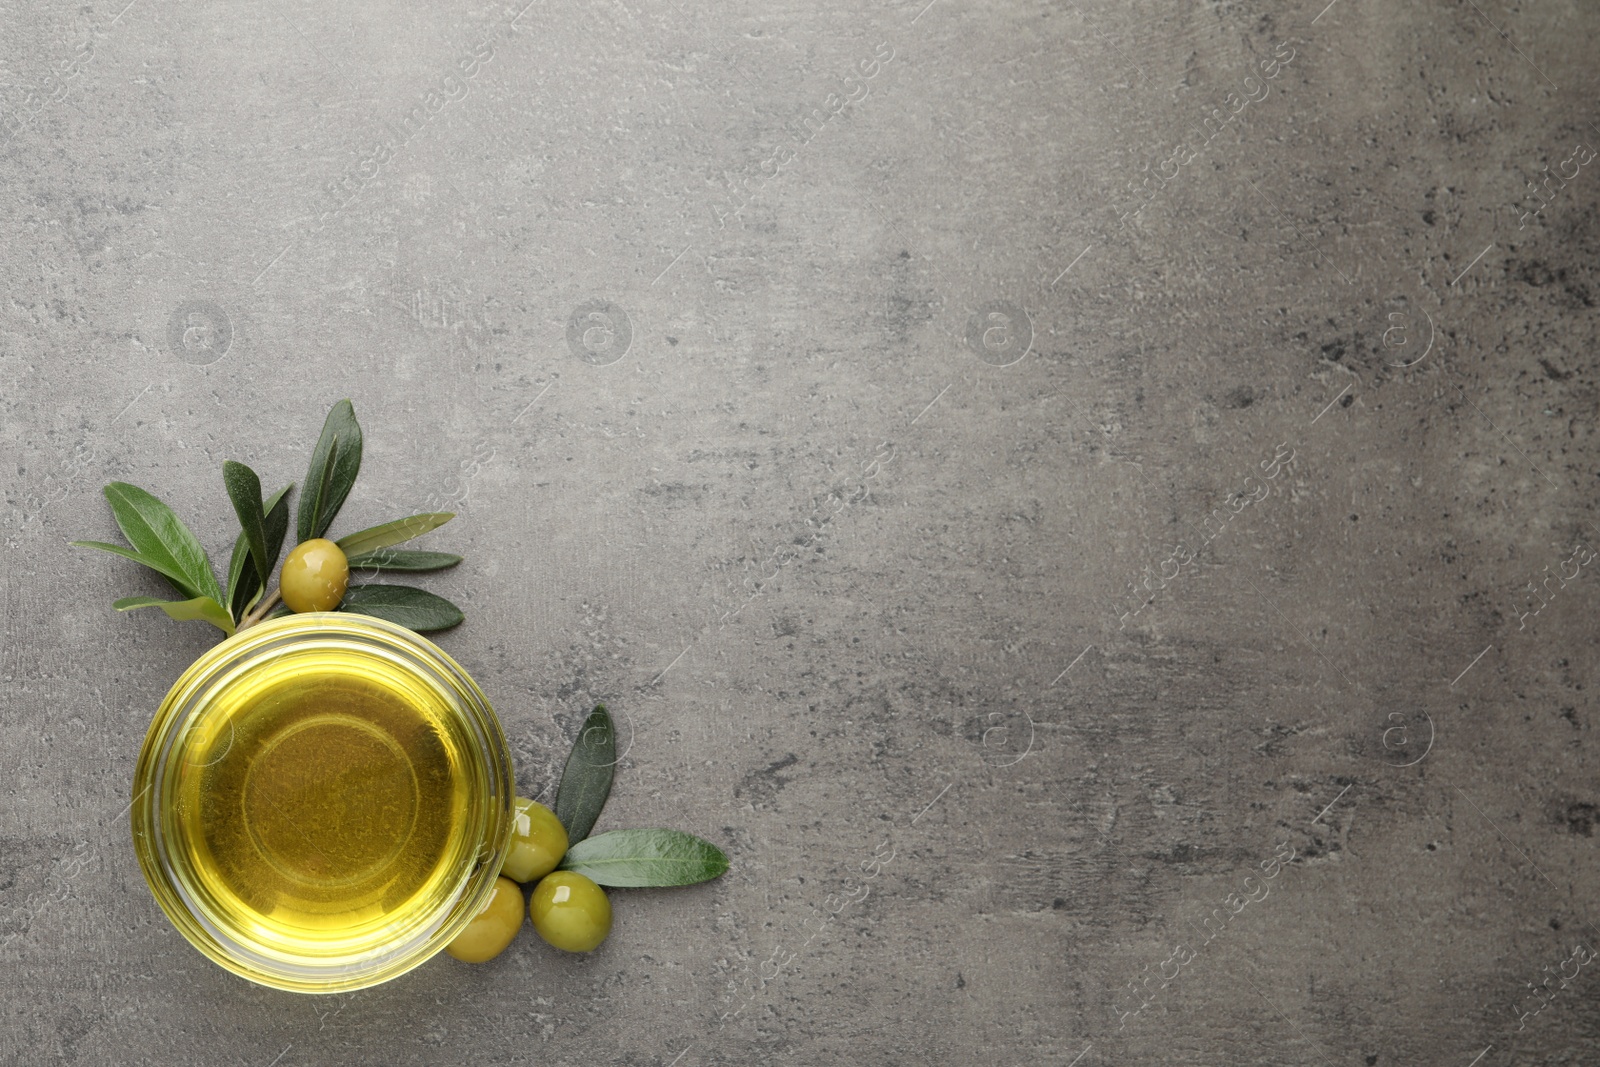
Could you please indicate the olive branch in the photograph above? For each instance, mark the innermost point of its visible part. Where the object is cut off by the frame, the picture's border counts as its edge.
(159, 540)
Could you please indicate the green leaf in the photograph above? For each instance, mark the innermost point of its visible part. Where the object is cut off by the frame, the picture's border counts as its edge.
(322, 484)
(277, 508)
(244, 489)
(415, 609)
(241, 576)
(399, 559)
(332, 471)
(392, 533)
(162, 541)
(633, 858)
(244, 584)
(201, 607)
(128, 553)
(586, 779)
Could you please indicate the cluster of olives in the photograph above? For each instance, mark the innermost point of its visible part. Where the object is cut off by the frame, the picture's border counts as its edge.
(568, 909)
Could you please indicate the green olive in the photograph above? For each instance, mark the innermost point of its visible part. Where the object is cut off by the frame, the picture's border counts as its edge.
(493, 928)
(570, 911)
(314, 576)
(538, 841)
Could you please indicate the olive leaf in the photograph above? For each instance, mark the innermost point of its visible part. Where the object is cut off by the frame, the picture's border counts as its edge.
(634, 858)
(277, 509)
(586, 779)
(415, 609)
(322, 484)
(160, 541)
(392, 533)
(237, 564)
(398, 559)
(173, 575)
(335, 462)
(201, 607)
(245, 586)
(244, 489)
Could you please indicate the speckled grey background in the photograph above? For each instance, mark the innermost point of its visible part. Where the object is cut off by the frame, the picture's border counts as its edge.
(1059, 491)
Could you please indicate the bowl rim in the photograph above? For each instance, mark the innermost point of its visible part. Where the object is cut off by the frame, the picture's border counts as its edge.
(221, 664)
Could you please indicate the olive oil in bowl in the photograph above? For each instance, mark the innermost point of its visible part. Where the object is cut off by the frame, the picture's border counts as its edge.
(323, 802)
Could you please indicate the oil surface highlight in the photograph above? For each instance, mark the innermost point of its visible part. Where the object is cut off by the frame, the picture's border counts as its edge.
(330, 796)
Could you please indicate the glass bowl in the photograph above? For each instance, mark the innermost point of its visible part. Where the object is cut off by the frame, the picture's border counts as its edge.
(323, 802)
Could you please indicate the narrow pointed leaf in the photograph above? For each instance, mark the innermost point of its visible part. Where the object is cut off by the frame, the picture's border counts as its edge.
(245, 585)
(244, 489)
(241, 576)
(392, 533)
(277, 526)
(586, 779)
(162, 540)
(415, 609)
(201, 607)
(319, 486)
(399, 559)
(329, 478)
(171, 573)
(634, 858)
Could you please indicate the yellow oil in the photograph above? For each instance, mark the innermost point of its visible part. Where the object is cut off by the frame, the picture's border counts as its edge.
(320, 805)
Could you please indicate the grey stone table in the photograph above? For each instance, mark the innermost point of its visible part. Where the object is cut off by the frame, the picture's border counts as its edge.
(1091, 505)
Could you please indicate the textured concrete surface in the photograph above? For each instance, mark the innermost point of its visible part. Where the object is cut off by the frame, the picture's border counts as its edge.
(1061, 492)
